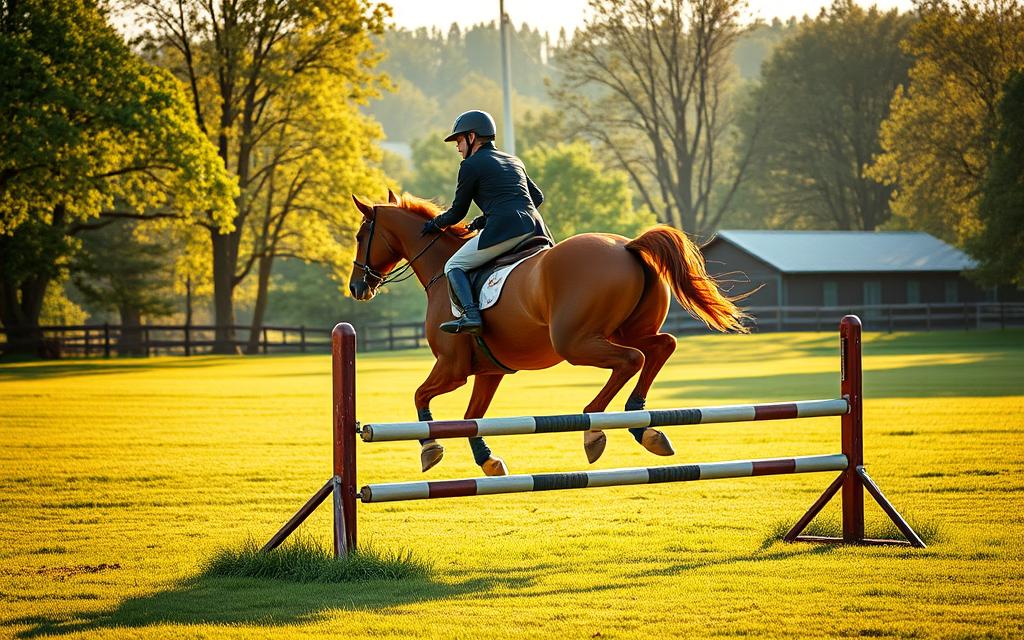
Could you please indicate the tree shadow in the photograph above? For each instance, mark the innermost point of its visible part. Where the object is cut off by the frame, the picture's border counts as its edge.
(971, 378)
(36, 370)
(250, 601)
(761, 555)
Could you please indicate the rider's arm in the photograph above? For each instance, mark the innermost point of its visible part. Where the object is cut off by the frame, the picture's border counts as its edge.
(535, 193)
(464, 193)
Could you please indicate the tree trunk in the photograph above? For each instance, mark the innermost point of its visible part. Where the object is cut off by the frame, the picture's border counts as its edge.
(129, 343)
(225, 260)
(20, 314)
(260, 309)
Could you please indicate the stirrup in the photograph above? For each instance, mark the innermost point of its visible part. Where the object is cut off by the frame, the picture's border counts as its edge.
(464, 324)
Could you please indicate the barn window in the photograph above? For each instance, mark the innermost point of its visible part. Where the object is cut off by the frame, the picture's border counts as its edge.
(830, 293)
(872, 292)
(913, 292)
(952, 291)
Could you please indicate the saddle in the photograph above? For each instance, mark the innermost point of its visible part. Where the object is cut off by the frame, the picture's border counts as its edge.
(527, 248)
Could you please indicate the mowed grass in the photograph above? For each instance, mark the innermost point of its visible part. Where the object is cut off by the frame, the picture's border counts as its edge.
(120, 479)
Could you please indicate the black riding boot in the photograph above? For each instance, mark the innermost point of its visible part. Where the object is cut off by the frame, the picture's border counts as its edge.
(470, 322)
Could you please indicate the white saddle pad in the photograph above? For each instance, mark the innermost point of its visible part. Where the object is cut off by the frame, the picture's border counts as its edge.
(492, 288)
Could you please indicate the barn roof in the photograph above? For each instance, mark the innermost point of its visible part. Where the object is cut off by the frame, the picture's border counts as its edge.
(849, 251)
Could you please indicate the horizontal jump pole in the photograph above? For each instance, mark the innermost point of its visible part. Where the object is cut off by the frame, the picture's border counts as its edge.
(433, 429)
(396, 491)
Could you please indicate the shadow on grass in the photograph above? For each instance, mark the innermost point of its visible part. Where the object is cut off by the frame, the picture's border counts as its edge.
(250, 601)
(761, 555)
(951, 379)
(38, 370)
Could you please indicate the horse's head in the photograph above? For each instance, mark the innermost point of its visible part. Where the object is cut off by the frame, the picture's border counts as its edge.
(391, 232)
(376, 252)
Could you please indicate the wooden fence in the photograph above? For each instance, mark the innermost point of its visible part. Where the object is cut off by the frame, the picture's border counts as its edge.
(103, 340)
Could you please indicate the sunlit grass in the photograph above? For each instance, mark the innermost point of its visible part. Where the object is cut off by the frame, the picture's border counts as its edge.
(133, 493)
(307, 559)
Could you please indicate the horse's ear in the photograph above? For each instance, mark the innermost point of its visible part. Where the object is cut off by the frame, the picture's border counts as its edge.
(364, 208)
(392, 198)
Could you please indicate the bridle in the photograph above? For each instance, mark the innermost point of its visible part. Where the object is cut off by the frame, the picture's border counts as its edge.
(404, 272)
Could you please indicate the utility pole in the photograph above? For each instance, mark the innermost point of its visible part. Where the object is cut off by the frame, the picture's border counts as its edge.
(506, 82)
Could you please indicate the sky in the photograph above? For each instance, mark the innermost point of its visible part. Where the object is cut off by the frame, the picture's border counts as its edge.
(551, 15)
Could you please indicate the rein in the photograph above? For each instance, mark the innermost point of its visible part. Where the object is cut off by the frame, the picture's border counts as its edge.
(398, 274)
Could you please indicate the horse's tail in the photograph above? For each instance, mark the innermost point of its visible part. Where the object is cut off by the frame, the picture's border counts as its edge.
(678, 261)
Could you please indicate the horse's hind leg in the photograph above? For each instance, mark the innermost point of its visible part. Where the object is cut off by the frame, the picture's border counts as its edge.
(484, 387)
(657, 349)
(641, 332)
(597, 351)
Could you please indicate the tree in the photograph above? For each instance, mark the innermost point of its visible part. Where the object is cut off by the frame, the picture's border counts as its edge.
(253, 68)
(117, 271)
(580, 195)
(813, 119)
(90, 131)
(999, 245)
(938, 139)
(648, 81)
(436, 167)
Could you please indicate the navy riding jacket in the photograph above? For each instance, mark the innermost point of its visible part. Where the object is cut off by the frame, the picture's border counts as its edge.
(498, 183)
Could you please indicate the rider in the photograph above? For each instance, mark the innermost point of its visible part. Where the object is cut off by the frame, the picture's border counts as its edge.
(498, 183)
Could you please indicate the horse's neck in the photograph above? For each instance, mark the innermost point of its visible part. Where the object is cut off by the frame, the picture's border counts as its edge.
(431, 262)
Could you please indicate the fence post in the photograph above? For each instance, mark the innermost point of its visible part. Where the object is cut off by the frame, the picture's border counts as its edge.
(264, 340)
(778, 318)
(391, 336)
(927, 317)
(967, 318)
(852, 428)
(889, 311)
(302, 338)
(85, 346)
(188, 340)
(1002, 316)
(343, 352)
(145, 338)
(106, 339)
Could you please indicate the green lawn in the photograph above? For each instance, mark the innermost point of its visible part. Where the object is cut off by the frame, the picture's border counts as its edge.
(119, 478)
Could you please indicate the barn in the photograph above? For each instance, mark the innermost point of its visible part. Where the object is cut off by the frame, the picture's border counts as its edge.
(843, 268)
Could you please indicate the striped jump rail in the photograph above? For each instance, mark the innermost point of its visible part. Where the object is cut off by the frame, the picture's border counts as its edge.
(851, 482)
(521, 425)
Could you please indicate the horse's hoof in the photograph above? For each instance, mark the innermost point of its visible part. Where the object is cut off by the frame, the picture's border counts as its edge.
(657, 443)
(431, 454)
(594, 443)
(494, 467)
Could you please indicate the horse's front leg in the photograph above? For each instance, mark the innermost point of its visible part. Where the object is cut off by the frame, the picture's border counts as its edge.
(484, 387)
(444, 377)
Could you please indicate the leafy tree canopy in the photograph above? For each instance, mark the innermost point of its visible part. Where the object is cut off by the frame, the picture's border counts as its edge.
(999, 246)
(939, 137)
(580, 195)
(814, 117)
(90, 128)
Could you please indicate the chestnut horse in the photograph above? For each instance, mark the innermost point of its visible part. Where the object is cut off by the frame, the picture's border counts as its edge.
(595, 299)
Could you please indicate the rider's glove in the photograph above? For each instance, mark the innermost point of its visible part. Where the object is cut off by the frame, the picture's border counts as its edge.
(430, 227)
(478, 222)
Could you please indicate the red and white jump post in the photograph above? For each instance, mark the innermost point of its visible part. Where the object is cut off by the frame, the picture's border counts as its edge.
(853, 479)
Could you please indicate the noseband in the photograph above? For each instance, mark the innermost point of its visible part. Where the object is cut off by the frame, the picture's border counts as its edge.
(368, 271)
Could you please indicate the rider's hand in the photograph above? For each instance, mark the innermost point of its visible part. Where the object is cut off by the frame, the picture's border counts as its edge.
(478, 223)
(430, 227)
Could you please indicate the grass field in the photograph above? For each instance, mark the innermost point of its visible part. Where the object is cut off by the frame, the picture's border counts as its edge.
(119, 479)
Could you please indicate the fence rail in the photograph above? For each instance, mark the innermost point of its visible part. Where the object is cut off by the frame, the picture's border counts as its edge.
(109, 339)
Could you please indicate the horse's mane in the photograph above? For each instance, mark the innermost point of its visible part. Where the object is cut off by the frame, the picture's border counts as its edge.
(428, 211)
